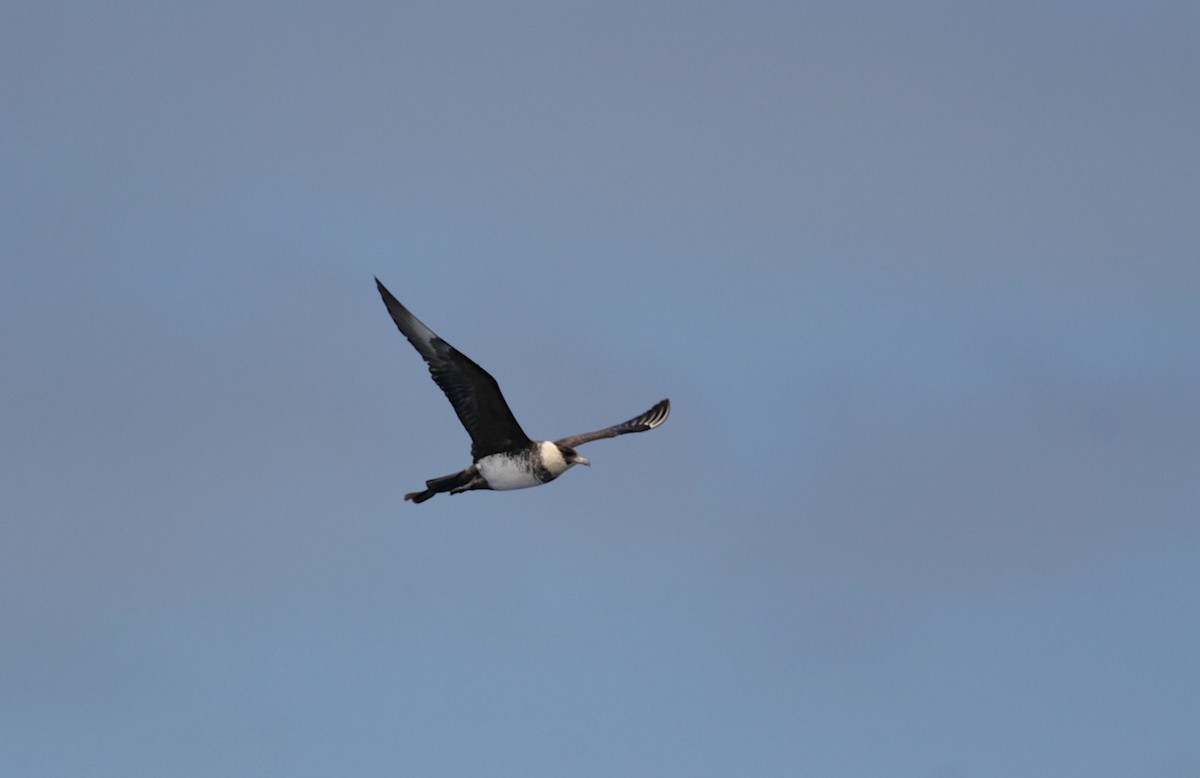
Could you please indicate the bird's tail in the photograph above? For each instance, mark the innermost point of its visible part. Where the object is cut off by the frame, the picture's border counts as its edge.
(444, 484)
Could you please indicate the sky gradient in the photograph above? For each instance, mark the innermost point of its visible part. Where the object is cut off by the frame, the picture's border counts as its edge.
(922, 284)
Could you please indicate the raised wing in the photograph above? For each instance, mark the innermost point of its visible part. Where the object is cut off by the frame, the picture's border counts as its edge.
(647, 421)
(474, 394)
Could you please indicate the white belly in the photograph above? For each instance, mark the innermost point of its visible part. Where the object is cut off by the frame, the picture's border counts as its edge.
(502, 472)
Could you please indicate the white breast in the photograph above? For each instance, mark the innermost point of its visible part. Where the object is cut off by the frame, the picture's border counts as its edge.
(504, 472)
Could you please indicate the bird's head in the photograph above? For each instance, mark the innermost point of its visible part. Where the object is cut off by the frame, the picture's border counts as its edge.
(572, 457)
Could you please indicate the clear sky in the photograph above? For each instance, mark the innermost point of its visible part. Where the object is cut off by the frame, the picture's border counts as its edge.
(922, 283)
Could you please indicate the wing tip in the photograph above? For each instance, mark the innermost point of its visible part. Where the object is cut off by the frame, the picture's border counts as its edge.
(659, 413)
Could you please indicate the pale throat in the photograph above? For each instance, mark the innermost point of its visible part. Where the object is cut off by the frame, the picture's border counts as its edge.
(552, 458)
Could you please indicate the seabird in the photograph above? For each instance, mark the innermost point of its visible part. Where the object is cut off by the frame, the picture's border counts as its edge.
(504, 456)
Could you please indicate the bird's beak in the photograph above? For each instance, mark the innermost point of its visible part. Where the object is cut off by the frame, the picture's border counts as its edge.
(582, 461)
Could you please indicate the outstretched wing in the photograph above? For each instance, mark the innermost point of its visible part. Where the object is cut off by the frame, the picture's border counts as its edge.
(474, 394)
(647, 421)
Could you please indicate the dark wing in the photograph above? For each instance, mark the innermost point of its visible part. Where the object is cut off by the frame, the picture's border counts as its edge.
(474, 394)
(647, 421)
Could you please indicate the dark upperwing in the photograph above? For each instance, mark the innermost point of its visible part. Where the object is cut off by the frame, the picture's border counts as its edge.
(474, 394)
(647, 421)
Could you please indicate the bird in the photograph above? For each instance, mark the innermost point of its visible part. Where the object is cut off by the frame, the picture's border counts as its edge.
(504, 457)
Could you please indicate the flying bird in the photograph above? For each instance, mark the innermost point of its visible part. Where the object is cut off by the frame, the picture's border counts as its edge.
(504, 456)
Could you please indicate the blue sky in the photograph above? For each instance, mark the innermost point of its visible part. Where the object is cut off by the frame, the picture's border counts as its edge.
(921, 282)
